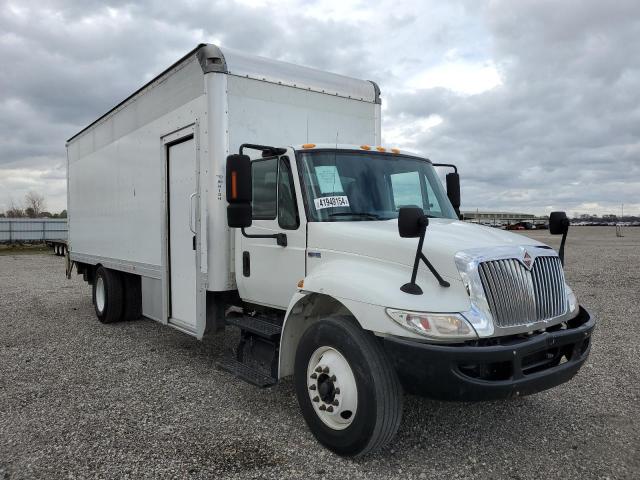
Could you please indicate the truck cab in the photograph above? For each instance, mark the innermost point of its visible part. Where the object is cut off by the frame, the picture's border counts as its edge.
(382, 288)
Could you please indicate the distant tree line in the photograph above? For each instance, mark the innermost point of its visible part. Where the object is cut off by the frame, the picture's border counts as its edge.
(34, 207)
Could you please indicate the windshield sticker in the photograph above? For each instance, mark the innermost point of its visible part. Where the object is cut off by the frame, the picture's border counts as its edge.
(330, 202)
(328, 179)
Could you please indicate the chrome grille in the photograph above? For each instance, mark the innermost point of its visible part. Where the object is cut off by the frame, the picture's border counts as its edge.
(518, 296)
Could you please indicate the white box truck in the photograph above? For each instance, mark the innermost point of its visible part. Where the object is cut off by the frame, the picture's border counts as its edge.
(233, 190)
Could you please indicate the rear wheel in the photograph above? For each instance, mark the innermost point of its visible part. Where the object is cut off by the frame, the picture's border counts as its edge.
(108, 297)
(348, 393)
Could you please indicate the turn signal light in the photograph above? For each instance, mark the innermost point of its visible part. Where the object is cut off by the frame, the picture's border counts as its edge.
(234, 185)
(308, 145)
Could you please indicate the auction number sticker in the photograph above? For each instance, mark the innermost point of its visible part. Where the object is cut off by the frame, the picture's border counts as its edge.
(328, 202)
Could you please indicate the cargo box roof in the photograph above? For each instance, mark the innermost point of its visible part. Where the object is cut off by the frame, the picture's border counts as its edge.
(227, 61)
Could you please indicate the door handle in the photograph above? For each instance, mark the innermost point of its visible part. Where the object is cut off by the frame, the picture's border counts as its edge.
(191, 227)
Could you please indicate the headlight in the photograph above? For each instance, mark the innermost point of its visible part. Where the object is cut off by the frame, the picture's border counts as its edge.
(439, 326)
(571, 299)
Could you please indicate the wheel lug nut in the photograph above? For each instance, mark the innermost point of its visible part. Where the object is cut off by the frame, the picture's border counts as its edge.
(333, 378)
(326, 370)
(316, 399)
(314, 376)
(335, 403)
(337, 391)
(329, 409)
(322, 407)
(312, 387)
(319, 369)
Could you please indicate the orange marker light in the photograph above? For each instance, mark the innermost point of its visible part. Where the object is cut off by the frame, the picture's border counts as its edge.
(381, 149)
(365, 147)
(301, 283)
(395, 150)
(234, 185)
(309, 145)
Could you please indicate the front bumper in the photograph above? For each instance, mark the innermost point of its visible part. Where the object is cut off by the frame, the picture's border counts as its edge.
(512, 367)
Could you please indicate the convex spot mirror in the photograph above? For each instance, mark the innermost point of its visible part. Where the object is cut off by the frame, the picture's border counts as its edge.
(558, 223)
(239, 185)
(411, 222)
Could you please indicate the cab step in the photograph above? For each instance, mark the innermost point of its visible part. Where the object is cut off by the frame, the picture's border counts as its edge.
(254, 376)
(256, 325)
(255, 359)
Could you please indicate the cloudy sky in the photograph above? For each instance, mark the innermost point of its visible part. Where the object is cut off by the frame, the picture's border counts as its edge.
(538, 102)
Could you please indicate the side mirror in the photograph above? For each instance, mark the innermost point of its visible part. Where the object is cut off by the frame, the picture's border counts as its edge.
(239, 186)
(411, 222)
(558, 223)
(453, 190)
(239, 215)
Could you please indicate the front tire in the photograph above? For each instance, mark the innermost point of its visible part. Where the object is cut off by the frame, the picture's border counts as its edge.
(348, 393)
(108, 297)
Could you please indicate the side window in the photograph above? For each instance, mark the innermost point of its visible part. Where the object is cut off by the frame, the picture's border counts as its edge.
(407, 190)
(287, 206)
(264, 195)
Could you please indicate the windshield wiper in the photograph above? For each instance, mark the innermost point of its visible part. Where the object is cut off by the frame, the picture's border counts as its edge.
(355, 214)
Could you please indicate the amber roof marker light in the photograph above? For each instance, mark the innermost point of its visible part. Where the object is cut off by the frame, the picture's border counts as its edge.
(365, 147)
(308, 145)
(395, 150)
(381, 149)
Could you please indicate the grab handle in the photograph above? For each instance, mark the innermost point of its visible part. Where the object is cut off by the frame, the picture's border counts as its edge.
(191, 227)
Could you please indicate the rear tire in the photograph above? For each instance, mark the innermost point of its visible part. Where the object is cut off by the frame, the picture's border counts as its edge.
(362, 371)
(108, 297)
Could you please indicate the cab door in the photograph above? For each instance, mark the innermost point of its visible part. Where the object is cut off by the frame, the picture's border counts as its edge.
(267, 273)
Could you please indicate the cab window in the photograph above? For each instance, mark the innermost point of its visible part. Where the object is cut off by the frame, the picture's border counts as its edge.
(287, 207)
(273, 192)
(264, 199)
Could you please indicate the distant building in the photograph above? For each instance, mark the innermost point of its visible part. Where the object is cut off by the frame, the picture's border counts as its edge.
(503, 218)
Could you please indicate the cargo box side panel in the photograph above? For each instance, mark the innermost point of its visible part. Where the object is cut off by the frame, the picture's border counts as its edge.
(117, 193)
(116, 173)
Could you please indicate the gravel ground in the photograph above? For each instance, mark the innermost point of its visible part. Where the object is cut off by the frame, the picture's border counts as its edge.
(138, 400)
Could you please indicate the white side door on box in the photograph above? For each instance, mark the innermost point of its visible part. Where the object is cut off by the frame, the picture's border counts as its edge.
(182, 188)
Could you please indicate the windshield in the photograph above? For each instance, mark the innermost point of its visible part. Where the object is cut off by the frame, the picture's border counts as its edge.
(349, 185)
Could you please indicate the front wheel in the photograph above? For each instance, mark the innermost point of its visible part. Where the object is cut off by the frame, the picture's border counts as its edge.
(348, 393)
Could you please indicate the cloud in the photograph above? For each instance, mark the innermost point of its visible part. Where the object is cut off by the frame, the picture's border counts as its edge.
(537, 101)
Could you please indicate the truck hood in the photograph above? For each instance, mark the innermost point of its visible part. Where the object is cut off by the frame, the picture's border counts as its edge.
(380, 240)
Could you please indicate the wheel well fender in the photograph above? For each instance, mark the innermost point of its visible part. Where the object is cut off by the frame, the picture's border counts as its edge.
(304, 310)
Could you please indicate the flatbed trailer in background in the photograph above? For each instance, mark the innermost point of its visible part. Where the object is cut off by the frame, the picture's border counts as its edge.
(59, 247)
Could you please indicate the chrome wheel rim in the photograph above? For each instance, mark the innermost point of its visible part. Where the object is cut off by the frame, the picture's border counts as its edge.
(332, 388)
(100, 294)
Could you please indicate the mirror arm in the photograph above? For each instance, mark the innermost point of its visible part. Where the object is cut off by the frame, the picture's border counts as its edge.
(412, 287)
(450, 165)
(441, 281)
(281, 238)
(561, 251)
(265, 149)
